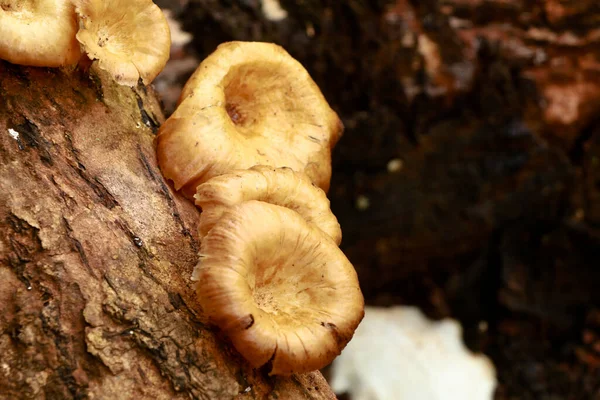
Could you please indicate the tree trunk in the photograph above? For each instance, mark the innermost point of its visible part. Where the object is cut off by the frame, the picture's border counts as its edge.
(96, 254)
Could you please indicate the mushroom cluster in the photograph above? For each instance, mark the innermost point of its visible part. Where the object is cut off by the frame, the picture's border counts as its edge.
(130, 39)
(251, 141)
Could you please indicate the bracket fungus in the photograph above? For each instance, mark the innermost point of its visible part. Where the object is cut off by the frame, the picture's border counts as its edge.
(39, 33)
(278, 287)
(130, 38)
(248, 103)
(280, 186)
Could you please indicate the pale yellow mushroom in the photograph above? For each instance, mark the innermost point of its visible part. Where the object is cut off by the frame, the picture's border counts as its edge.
(38, 33)
(247, 104)
(278, 287)
(129, 38)
(280, 186)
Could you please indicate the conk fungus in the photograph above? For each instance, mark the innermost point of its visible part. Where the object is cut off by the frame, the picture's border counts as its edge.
(281, 186)
(39, 33)
(278, 287)
(247, 104)
(129, 38)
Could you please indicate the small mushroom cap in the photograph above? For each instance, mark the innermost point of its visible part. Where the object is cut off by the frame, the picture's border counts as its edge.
(39, 33)
(280, 186)
(247, 104)
(279, 287)
(129, 38)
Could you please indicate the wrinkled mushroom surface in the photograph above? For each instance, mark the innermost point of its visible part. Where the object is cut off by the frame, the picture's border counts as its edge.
(38, 33)
(278, 287)
(280, 186)
(247, 104)
(129, 38)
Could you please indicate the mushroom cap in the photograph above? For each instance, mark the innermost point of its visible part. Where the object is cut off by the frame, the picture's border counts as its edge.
(278, 287)
(38, 33)
(248, 103)
(281, 186)
(129, 38)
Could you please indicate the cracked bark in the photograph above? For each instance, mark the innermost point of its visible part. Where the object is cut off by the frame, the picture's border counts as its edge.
(96, 252)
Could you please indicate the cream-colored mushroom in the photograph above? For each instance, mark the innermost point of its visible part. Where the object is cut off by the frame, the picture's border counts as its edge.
(278, 287)
(248, 104)
(280, 186)
(129, 38)
(38, 33)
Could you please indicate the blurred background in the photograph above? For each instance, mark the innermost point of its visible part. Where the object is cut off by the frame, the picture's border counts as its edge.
(467, 182)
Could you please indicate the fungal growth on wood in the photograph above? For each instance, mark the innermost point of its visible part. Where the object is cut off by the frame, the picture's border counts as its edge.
(280, 186)
(278, 287)
(248, 104)
(251, 141)
(39, 33)
(129, 38)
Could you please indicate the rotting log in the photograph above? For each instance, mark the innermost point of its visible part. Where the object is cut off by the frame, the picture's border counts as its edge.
(96, 254)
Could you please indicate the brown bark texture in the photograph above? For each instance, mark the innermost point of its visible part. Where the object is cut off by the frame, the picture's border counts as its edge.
(96, 253)
(467, 181)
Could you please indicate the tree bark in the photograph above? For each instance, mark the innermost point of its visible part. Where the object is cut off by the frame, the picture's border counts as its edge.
(97, 251)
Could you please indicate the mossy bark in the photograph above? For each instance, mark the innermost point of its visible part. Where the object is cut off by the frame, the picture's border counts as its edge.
(96, 253)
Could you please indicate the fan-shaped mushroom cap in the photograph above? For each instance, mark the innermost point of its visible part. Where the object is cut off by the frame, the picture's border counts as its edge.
(39, 33)
(129, 38)
(279, 287)
(247, 104)
(280, 186)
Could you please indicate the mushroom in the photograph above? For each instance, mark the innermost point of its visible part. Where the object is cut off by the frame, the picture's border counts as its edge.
(247, 104)
(278, 287)
(39, 33)
(129, 38)
(280, 186)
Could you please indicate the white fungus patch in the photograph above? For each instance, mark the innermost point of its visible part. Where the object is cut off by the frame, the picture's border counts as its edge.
(397, 353)
(14, 134)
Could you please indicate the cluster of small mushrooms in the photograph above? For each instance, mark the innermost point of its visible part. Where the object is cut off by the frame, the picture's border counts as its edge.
(251, 141)
(130, 39)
